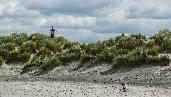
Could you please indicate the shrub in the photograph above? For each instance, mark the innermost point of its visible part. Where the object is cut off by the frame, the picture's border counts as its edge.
(51, 63)
(36, 61)
(43, 51)
(71, 52)
(159, 60)
(4, 53)
(18, 39)
(1, 60)
(86, 58)
(138, 57)
(13, 56)
(106, 56)
(24, 57)
(8, 46)
(163, 40)
(130, 42)
(43, 63)
(37, 37)
(28, 46)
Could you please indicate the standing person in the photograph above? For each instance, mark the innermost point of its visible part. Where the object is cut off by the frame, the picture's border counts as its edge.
(52, 31)
(124, 87)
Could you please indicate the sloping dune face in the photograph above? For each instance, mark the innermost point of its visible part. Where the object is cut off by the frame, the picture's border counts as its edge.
(11, 69)
(144, 75)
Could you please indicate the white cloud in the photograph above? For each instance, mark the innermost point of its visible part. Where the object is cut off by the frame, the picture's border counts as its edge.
(40, 22)
(85, 20)
(16, 9)
(150, 9)
(71, 21)
(84, 35)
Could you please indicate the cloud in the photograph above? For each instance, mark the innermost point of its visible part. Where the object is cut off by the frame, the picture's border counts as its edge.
(155, 9)
(14, 9)
(84, 35)
(85, 20)
(69, 21)
(77, 7)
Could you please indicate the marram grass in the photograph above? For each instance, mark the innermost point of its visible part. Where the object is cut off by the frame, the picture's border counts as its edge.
(121, 51)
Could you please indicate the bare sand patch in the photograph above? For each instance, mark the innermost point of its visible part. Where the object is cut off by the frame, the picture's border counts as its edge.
(76, 89)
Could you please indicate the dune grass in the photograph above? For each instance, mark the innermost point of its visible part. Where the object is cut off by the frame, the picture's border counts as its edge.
(121, 51)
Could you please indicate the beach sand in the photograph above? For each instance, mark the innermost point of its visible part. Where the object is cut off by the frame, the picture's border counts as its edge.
(76, 89)
(63, 81)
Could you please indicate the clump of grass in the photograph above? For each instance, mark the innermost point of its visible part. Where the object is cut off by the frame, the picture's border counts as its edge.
(163, 40)
(159, 60)
(43, 63)
(4, 53)
(139, 57)
(71, 52)
(86, 58)
(1, 60)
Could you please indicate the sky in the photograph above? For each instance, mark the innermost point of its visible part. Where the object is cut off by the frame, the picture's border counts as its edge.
(85, 20)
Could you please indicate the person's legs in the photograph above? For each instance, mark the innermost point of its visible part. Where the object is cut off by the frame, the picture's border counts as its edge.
(124, 89)
(52, 35)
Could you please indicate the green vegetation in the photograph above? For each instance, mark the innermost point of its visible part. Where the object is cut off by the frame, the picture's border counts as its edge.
(41, 52)
(138, 58)
(1, 60)
(163, 39)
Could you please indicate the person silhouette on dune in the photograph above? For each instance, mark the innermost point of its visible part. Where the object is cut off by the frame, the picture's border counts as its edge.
(52, 31)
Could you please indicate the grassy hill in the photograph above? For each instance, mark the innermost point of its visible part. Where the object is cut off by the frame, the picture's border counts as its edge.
(39, 51)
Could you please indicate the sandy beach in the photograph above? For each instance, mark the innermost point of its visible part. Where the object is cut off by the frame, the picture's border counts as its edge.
(76, 89)
(63, 81)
